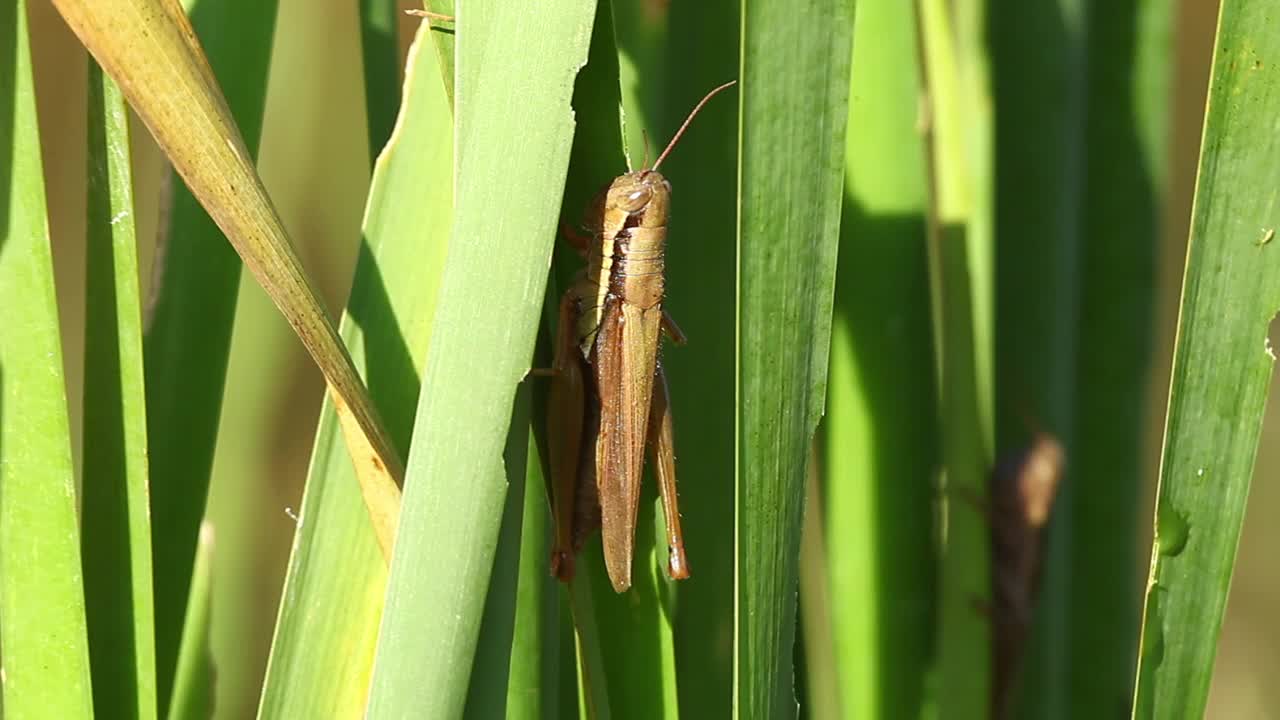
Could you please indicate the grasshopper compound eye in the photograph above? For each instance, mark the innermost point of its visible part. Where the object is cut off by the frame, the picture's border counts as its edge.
(637, 199)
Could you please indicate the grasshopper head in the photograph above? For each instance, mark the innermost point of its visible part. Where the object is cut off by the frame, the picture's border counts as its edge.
(643, 194)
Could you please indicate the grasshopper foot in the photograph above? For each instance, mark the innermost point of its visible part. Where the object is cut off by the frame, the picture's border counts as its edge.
(677, 563)
(562, 565)
(578, 240)
(982, 606)
(970, 497)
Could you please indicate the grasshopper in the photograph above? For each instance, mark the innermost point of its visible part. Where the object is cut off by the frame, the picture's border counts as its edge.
(1023, 488)
(608, 397)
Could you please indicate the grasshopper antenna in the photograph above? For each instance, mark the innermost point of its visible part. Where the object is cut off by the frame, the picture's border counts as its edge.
(645, 134)
(688, 120)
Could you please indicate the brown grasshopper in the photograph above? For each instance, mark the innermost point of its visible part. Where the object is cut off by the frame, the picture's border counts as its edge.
(608, 396)
(1023, 488)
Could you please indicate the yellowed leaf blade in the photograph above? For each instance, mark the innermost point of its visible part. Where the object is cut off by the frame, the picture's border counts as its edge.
(382, 498)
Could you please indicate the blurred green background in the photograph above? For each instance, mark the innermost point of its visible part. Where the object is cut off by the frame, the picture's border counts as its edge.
(315, 163)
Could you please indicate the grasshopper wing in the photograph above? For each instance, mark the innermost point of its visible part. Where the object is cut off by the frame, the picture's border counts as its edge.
(626, 355)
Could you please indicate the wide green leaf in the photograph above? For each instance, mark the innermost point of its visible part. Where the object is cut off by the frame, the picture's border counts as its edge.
(1129, 77)
(333, 593)
(794, 109)
(509, 175)
(532, 691)
(42, 613)
(961, 264)
(194, 675)
(1222, 366)
(443, 39)
(817, 679)
(489, 685)
(116, 523)
(881, 427)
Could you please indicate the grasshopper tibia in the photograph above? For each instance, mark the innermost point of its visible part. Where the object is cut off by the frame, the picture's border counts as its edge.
(662, 445)
(566, 407)
(673, 330)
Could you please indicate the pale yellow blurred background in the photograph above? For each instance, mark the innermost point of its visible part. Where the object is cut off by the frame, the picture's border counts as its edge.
(315, 165)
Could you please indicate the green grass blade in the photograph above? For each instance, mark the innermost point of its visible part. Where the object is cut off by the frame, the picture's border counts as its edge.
(964, 634)
(701, 295)
(333, 593)
(1129, 77)
(640, 32)
(379, 46)
(116, 523)
(592, 697)
(817, 679)
(960, 252)
(535, 648)
(42, 612)
(491, 666)
(795, 91)
(443, 37)
(1222, 366)
(186, 360)
(543, 673)
(633, 629)
(194, 676)
(881, 436)
(509, 178)
(976, 149)
(1039, 84)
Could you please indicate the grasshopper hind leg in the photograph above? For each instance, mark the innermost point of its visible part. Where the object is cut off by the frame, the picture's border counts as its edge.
(673, 330)
(662, 447)
(566, 414)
